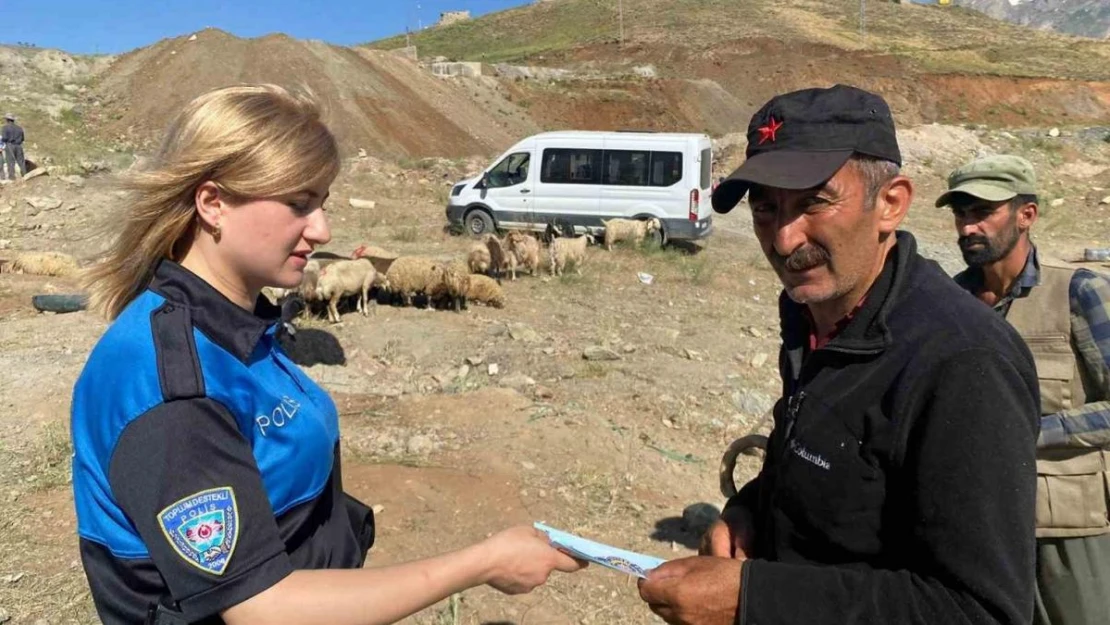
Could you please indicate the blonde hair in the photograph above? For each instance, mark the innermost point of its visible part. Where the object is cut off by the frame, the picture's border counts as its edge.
(253, 141)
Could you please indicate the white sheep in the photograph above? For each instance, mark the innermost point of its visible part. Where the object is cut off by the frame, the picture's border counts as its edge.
(567, 252)
(629, 230)
(381, 258)
(346, 277)
(524, 251)
(307, 287)
(43, 264)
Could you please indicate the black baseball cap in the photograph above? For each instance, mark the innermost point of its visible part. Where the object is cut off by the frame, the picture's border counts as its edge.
(798, 140)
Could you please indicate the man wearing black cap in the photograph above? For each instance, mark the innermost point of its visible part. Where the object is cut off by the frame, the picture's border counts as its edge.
(899, 482)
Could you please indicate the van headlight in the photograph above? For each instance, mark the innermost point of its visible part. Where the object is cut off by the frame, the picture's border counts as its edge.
(457, 189)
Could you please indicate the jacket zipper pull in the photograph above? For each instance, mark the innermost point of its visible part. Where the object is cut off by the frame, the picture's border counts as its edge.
(793, 405)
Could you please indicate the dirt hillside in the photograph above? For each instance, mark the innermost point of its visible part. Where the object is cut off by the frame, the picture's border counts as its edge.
(375, 100)
(934, 64)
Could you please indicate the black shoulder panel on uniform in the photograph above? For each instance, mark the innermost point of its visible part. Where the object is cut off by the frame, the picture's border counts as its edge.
(179, 372)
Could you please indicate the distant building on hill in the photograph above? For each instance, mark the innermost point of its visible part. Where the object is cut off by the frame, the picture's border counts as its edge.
(453, 17)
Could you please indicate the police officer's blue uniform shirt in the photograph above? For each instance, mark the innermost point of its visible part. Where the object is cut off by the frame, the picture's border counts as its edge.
(206, 464)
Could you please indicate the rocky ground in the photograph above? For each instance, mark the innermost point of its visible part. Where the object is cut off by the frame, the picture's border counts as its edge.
(458, 424)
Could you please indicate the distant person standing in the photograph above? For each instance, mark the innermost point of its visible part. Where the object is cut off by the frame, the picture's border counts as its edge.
(2, 158)
(12, 138)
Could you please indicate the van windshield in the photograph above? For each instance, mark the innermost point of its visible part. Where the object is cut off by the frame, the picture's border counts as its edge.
(512, 170)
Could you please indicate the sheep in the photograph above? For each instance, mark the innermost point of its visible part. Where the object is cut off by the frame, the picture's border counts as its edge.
(409, 275)
(629, 229)
(478, 259)
(485, 290)
(327, 256)
(565, 252)
(43, 264)
(451, 284)
(275, 294)
(346, 277)
(307, 288)
(523, 250)
(381, 259)
(498, 256)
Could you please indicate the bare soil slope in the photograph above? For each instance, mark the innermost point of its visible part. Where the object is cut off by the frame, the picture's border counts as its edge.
(375, 100)
(932, 63)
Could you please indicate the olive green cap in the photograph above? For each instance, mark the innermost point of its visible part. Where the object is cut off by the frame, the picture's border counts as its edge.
(992, 178)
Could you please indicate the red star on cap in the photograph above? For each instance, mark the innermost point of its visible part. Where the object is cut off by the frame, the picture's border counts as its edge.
(768, 131)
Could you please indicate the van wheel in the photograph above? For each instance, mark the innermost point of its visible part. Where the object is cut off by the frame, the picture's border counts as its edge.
(656, 239)
(478, 222)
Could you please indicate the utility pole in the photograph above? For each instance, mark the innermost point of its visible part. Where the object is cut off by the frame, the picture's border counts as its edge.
(620, 18)
(862, 20)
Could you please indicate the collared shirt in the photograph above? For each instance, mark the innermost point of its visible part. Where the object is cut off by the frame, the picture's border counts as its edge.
(1089, 302)
(972, 280)
(816, 342)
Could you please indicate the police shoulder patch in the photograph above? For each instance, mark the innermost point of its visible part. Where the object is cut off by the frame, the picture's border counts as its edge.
(203, 528)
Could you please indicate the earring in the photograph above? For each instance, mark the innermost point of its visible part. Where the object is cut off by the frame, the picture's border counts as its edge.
(217, 232)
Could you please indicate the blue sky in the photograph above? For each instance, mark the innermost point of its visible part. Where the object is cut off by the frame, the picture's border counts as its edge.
(115, 26)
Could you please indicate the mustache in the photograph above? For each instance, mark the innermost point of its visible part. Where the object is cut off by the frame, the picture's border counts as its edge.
(972, 239)
(803, 258)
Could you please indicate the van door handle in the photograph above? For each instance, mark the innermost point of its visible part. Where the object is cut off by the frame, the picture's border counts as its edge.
(525, 190)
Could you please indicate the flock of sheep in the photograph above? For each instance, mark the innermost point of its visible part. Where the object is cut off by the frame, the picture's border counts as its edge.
(330, 278)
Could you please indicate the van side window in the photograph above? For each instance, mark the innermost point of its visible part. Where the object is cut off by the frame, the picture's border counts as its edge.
(666, 168)
(512, 170)
(571, 166)
(642, 169)
(625, 167)
(706, 167)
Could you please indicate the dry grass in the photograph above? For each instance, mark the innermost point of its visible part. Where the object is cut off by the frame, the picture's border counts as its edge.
(51, 457)
(406, 234)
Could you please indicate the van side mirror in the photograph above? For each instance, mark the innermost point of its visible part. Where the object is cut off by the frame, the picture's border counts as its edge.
(483, 182)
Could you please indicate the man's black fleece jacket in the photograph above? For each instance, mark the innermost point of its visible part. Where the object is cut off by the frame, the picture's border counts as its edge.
(899, 485)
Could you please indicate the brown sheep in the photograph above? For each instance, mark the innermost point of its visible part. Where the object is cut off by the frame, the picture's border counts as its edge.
(43, 264)
(484, 290)
(498, 256)
(524, 251)
(410, 275)
(478, 259)
(452, 285)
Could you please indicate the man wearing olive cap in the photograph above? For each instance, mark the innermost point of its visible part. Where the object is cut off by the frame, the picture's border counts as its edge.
(1063, 313)
(899, 484)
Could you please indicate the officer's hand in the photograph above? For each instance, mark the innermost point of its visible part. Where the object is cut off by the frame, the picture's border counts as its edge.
(730, 536)
(694, 591)
(522, 558)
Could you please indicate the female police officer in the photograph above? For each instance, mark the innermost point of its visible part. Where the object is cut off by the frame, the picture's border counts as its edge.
(206, 470)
